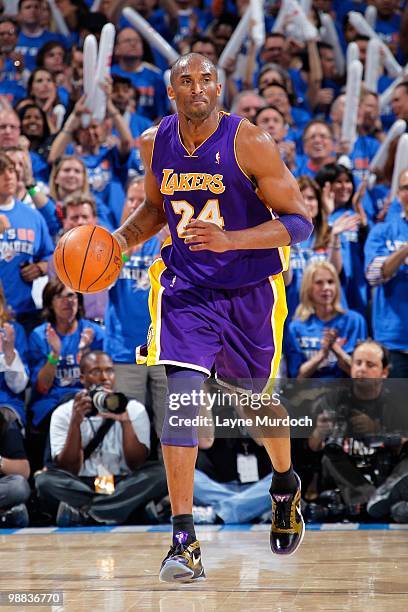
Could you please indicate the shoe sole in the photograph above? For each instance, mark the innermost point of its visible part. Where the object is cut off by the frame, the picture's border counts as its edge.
(178, 573)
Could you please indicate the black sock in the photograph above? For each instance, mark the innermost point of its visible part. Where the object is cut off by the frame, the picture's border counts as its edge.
(183, 523)
(284, 482)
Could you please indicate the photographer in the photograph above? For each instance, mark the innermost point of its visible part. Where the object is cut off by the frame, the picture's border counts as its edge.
(14, 472)
(356, 424)
(98, 453)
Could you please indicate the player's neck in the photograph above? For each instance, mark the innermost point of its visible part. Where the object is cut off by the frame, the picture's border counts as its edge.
(193, 133)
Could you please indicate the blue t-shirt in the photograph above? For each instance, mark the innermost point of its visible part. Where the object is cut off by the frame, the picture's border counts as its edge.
(13, 91)
(378, 195)
(29, 46)
(352, 276)
(128, 301)
(365, 148)
(137, 125)
(67, 371)
(148, 80)
(41, 168)
(390, 299)
(388, 30)
(27, 240)
(304, 340)
(7, 396)
(301, 255)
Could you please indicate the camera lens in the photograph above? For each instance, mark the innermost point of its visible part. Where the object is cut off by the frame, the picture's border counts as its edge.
(105, 401)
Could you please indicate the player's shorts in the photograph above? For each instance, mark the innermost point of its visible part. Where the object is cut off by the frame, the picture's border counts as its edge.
(237, 331)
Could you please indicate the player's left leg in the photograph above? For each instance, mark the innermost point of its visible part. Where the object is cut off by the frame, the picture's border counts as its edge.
(251, 352)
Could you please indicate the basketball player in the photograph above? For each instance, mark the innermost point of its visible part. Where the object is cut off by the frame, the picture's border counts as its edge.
(217, 296)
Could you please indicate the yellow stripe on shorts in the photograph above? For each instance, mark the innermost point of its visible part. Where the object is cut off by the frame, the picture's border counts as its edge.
(155, 299)
(278, 316)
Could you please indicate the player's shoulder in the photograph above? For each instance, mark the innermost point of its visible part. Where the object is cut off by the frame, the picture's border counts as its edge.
(249, 133)
(148, 136)
(255, 149)
(253, 145)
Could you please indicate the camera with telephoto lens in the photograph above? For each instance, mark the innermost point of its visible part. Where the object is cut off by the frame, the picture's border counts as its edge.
(107, 401)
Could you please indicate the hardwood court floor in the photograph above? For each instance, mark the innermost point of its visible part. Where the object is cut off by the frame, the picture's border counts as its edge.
(361, 571)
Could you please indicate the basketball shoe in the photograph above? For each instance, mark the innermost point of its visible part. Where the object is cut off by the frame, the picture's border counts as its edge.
(287, 527)
(183, 563)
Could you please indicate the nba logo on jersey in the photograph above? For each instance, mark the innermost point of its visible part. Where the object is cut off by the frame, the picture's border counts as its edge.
(217, 157)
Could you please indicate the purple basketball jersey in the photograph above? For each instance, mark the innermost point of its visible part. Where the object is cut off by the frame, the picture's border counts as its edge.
(209, 185)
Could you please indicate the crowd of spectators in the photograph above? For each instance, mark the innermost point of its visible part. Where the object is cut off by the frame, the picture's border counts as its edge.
(347, 284)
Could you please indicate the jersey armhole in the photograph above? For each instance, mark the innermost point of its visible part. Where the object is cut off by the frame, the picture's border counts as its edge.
(235, 150)
(154, 142)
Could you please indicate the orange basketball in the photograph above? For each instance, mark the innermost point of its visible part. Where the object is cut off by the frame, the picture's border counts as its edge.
(88, 259)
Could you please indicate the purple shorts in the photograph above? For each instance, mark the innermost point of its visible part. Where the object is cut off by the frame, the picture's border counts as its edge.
(236, 331)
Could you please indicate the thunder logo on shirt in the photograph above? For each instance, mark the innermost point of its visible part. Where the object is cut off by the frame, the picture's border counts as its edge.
(16, 240)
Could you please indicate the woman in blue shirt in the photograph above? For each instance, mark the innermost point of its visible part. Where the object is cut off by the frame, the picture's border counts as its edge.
(55, 350)
(13, 362)
(69, 176)
(323, 334)
(348, 206)
(320, 246)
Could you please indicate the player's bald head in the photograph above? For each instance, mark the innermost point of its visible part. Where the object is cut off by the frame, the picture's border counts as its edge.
(191, 61)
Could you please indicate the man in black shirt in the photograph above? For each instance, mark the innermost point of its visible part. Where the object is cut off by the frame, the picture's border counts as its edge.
(14, 472)
(356, 425)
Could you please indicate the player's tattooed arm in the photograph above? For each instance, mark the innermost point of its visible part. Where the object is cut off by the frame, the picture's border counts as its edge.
(149, 218)
(145, 222)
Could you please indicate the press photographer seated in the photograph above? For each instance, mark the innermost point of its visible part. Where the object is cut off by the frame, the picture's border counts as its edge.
(99, 444)
(14, 472)
(357, 427)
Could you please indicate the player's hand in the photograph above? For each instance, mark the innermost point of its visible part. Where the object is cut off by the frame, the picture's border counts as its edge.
(206, 236)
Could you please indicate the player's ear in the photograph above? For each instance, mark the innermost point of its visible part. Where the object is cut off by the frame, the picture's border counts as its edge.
(219, 87)
(170, 92)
